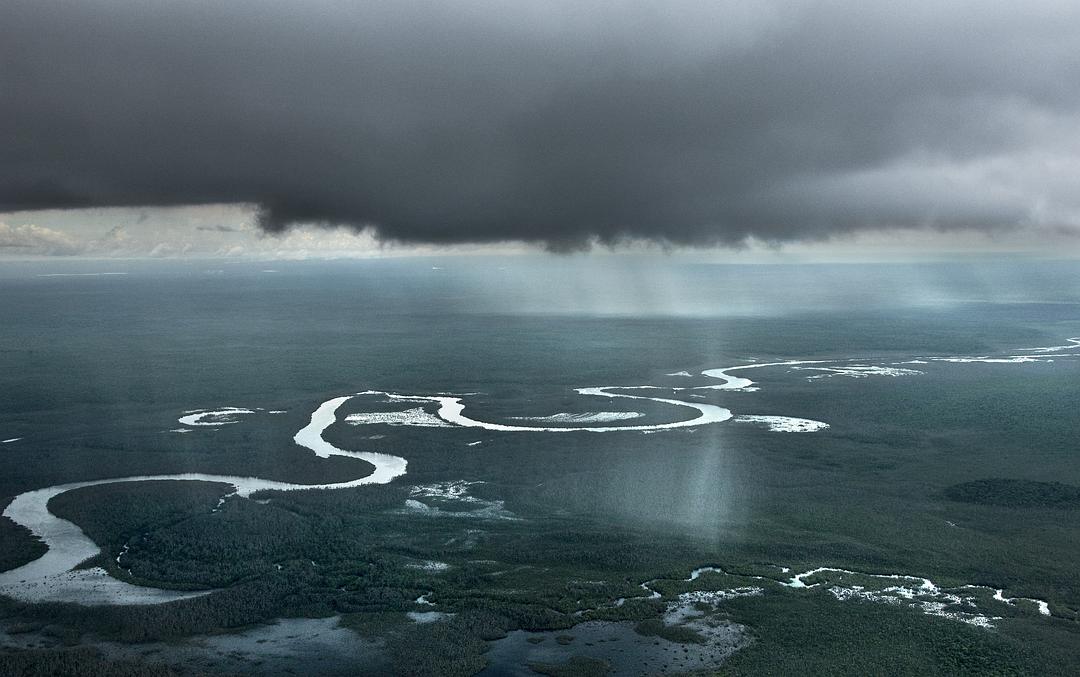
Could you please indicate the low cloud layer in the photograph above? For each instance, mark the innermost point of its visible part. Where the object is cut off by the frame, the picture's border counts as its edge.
(558, 123)
(34, 240)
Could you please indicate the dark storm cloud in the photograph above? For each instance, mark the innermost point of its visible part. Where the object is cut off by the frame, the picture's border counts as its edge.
(554, 122)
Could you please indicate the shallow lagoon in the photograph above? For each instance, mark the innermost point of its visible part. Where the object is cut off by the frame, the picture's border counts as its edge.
(625, 651)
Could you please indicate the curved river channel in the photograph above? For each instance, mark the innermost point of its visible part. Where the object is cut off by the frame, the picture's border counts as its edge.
(53, 577)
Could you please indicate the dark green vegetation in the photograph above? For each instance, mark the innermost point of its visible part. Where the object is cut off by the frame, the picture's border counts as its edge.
(75, 663)
(596, 514)
(654, 627)
(20, 546)
(116, 516)
(1016, 493)
(818, 635)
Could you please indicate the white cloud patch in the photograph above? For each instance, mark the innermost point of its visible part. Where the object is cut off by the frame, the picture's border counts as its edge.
(32, 240)
(204, 231)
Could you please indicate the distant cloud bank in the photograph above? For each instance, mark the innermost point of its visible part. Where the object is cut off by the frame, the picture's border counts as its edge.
(32, 240)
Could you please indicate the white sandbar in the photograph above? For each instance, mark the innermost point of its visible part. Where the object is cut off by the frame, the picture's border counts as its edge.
(207, 417)
(785, 424)
(414, 417)
(585, 417)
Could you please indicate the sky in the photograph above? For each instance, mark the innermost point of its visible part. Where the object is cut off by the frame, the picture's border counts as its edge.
(736, 130)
